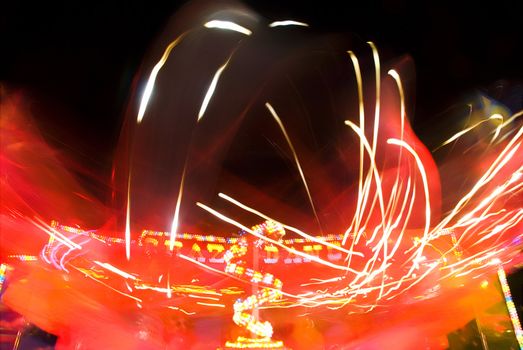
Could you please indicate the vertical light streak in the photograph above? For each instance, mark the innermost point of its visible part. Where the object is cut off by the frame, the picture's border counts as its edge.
(407, 217)
(51, 231)
(152, 78)
(498, 128)
(376, 57)
(399, 84)
(270, 292)
(361, 111)
(362, 199)
(176, 217)
(128, 221)
(295, 156)
(366, 187)
(510, 306)
(423, 174)
(397, 78)
(373, 168)
(210, 90)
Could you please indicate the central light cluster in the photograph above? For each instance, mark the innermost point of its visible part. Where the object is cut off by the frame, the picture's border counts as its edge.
(249, 343)
(234, 258)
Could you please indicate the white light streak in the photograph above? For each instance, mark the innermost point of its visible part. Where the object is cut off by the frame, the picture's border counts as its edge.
(227, 25)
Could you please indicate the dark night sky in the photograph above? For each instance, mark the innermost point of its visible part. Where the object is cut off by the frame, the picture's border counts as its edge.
(76, 60)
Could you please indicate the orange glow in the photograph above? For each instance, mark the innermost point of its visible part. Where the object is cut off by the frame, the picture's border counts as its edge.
(356, 248)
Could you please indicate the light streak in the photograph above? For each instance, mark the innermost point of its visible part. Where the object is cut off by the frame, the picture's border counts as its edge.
(169, 291)
(128, 221)
(464, 131)
(295, 156)
(396, 262)
(287, 23)
(115, 270)
(423, 174)
(373, 167)
(181, 310)
(361, 109)
(210, 304)
(176, 217)
(227, 25)
(210, 90)
(152, 78)
(377, 68)
(366, 186)
(270, 293)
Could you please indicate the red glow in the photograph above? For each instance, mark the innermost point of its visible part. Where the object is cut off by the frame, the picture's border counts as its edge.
(369, 258)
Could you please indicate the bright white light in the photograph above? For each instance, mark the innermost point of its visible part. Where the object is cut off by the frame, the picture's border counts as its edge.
(227, 25)
(287, 23)
(211, 89)
(495, 261)
(152, 78)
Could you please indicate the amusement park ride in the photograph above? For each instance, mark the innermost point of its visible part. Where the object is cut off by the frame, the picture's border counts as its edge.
(261, 182)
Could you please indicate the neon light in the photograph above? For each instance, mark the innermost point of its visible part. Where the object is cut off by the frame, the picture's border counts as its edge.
(152, 78)
(518, 331)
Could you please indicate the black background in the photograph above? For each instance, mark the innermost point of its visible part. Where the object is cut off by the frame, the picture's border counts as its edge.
(76, 60)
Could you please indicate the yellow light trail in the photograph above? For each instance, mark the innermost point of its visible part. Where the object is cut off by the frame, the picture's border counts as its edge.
(287, 227)
(115, 270)
(287, 23)
(152, 78)
(423, 174)
(176, 217)
(296, 160)
(292, 250)
(361, 109)
(464, 131)
(227, 25)
(210, 90)
(128, 221)
(54, 234)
